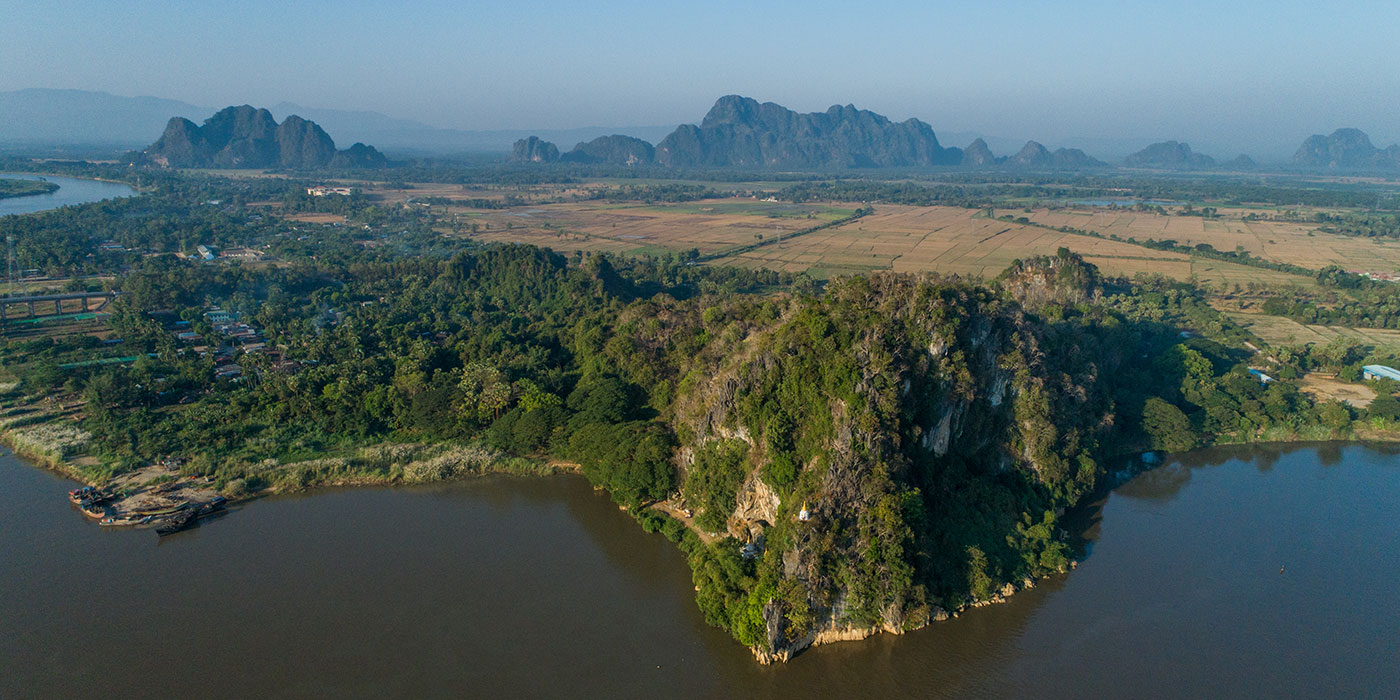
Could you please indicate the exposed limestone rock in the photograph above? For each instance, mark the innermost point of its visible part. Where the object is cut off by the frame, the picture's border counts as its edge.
(756, 509)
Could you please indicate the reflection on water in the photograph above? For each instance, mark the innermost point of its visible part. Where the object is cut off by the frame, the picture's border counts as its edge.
(541, 587)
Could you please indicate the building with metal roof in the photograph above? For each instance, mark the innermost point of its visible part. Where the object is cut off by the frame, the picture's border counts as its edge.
(1380, 372)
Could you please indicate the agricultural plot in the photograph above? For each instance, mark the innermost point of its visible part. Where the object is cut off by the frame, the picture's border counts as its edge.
(948, 240)
(1276, 330)
(956, 241)
(709, 226)
(1294, 243)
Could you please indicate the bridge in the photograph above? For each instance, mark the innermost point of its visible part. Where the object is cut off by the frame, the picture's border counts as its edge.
(37, 304)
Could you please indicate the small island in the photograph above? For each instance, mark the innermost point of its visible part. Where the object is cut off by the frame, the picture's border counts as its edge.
(24, 188)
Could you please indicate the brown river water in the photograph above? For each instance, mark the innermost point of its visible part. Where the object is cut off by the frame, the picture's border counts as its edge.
(540, 587)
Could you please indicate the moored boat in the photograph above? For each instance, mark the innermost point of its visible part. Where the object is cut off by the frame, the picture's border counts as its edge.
(79, 495)
(93, 510)
(160, 512)
(176, 523)
(213, 506)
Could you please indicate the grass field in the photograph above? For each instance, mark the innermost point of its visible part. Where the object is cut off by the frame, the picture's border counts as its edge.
(1286, 242)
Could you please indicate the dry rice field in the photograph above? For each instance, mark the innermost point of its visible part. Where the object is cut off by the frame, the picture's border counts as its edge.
(947, 240)
(1276, 330)
(711, 226)
(1286, 242)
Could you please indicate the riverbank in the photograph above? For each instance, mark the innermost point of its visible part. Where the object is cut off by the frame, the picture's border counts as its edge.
(68, 191)
(50, 173)
(392, 464)
(48, 434)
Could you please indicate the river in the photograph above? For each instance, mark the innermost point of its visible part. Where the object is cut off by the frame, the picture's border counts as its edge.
(71, 190)
(1227, 573)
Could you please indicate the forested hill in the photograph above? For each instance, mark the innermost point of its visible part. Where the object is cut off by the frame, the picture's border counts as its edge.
(245, 137)
(833, 462)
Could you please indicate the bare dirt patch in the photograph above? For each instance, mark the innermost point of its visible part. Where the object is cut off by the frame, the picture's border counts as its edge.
(317, 218)
(1328, 387)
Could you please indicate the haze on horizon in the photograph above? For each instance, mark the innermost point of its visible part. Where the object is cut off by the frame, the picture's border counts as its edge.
(1254, 77)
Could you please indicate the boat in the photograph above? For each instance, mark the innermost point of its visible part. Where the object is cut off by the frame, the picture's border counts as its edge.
(176, 523)
(93, 510)
(160, 512)
(213, 506)
(81, 494)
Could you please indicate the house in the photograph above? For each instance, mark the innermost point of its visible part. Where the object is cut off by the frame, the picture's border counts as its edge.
(241, 254)
(1263, 378)
(204, 252)
(218, 315)
(1380, 372)
(323, 190)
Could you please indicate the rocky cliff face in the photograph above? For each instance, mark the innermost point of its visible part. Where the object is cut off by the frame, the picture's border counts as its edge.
(246, 137)
(1169, 155)
(741, 132)
(616, 149)
(1074, 159)
(1032, 156)
(1345, 149)
(303, 144)
(534, 150)
(1063, 279)
(894, 433)
(358, 155)
(978, 155)
(1240, 162)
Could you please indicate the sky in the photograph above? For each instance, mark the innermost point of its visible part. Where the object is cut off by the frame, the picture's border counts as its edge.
(1243, 74)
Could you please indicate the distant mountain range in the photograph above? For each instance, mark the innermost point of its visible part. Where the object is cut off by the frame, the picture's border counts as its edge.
(742, 132)
(41, 116)
(247, 137)
(1342, 150)
(738, 131)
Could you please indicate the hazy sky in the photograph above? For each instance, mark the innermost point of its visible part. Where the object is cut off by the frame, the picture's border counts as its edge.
(1247, 72)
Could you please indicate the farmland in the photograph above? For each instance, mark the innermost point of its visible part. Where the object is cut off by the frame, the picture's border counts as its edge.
(1276, 330)
(711, 226)
(948, 240)
(1295, 243)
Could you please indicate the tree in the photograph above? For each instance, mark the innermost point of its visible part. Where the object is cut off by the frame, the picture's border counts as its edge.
(1334, 414)
(1167, 426)
(1385, 407)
